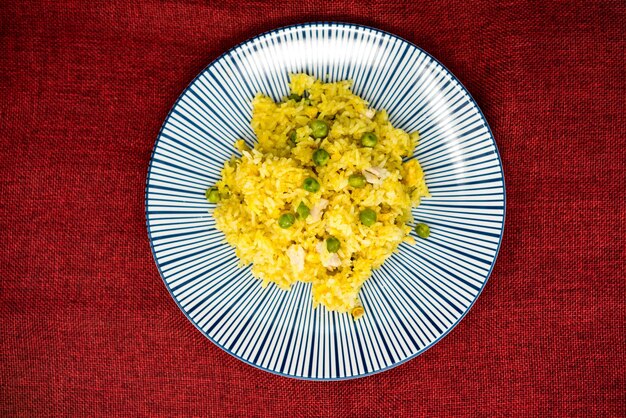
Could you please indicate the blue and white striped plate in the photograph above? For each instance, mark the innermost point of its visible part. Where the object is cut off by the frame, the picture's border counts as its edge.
(418, 295)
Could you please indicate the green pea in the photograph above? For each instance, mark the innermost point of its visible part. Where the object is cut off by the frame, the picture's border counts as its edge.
(212, 195)
(303, 210)
(319, 128)
(311, 185)
(332, 244)
(357, 181)
(367, 217)
(422, 230)
(293, 136)
(369, 140)
(286, 220)
(320, 157)
(295, 97)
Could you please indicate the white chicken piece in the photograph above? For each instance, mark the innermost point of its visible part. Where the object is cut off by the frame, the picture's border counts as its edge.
(375, 175)
(296, 256)
(329, 260)
(369, 113)
(316, 211)
(332, 262)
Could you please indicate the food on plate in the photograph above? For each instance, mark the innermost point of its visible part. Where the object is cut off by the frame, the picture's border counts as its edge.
(422, 230)
(324, 196)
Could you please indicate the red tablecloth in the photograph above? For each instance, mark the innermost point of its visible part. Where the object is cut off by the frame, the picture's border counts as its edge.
(87, 326)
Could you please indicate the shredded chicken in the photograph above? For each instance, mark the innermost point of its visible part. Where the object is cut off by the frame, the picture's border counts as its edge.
(375, 175)
(332, 262)
(369, 113)
(296, 256)
(316, 211)
(329, 260)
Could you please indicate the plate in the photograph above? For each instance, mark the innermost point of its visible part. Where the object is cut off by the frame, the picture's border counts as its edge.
(417, 296)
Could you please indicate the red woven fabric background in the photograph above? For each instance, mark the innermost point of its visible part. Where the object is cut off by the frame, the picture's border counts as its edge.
(87, 326)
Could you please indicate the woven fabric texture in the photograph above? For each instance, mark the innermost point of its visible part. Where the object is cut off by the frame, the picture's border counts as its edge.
(86, 325)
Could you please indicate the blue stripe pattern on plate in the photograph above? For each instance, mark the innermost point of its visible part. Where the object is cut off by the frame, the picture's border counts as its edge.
(418, 295)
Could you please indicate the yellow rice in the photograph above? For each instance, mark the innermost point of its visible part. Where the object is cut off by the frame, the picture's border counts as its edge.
(266, 182)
